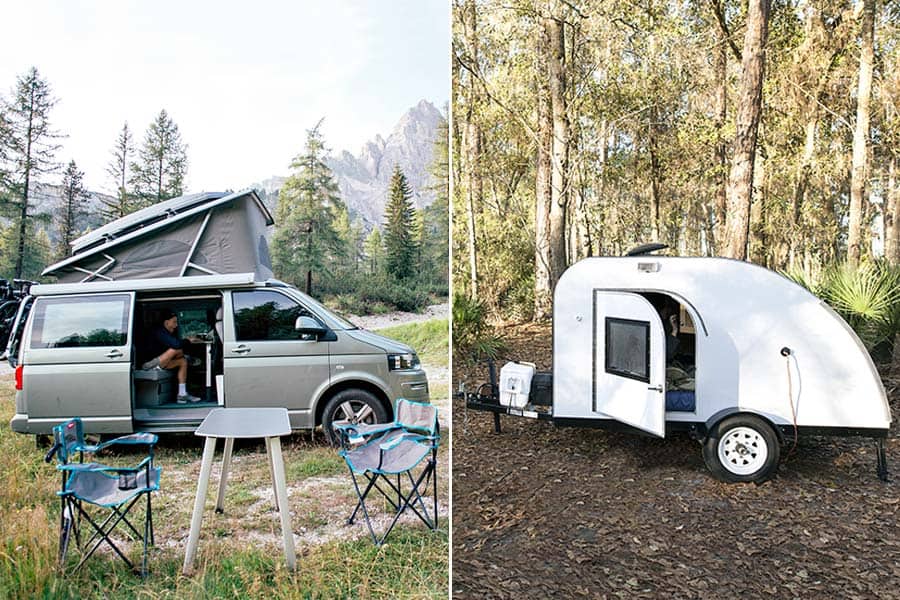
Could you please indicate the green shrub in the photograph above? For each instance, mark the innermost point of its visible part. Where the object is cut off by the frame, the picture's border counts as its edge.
(473, 338)
(867, 297)
(363, 294)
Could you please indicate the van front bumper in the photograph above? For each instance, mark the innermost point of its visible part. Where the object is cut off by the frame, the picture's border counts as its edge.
(412, 384)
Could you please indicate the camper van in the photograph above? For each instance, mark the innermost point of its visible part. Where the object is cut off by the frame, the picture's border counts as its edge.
(738, 356)
(79, 353)
(78, 346)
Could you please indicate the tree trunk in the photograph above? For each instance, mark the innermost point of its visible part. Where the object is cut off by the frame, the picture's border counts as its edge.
(721, 157)
(559, 178)
(759, 249)
(26, 188)
(543, 283)
(474, 188)
(740, 180)
(892, 216)
(803, 174)
(858, 173)
(652, 143)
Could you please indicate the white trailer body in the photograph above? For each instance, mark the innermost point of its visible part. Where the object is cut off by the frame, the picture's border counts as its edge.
(744, 316)
(771, 361)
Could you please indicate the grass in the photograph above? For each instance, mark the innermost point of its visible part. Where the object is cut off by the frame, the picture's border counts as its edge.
(430, 339)
(239, 553)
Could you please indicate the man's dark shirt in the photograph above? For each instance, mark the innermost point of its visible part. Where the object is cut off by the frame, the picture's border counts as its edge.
(161, 340)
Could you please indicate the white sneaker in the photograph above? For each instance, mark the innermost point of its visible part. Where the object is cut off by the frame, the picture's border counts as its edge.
(185, 398)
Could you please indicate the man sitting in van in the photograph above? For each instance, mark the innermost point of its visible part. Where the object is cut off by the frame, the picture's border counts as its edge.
(167, 348)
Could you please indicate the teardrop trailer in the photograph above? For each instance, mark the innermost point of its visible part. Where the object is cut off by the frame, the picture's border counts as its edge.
(759, 361)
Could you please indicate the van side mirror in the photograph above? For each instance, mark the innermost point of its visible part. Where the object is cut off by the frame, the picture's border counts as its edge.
(309, 326)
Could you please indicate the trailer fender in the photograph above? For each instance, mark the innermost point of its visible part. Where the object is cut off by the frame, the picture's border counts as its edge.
(727, 412)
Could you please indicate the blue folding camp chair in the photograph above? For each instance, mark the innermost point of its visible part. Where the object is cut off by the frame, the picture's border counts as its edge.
(117, 489)
(374, 453)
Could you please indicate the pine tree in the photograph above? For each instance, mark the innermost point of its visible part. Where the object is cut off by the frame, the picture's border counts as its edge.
(160, 172)
(71, 208)
(399, 228)
(27, 151)
(374, 251)
(118, 170)
(436, 228)
(343, 227)
(305, 240)
(37, 251)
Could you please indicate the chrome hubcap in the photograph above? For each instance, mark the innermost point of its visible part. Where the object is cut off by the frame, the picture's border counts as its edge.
(353, 413)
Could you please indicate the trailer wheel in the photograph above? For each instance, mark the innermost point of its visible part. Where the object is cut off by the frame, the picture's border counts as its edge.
(742, 448)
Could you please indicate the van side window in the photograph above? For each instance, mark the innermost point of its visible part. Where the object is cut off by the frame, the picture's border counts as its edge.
(266, 315)
(628, 348)
(79, 322)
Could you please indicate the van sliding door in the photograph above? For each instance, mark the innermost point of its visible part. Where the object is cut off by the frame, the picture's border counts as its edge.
(629, 375)
(77, 361)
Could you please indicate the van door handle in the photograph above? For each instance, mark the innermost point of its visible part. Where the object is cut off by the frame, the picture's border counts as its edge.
(656, 388)
(242, 349)
(114, 354)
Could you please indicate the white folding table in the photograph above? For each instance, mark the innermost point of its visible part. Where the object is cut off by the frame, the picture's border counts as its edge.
(231, 423)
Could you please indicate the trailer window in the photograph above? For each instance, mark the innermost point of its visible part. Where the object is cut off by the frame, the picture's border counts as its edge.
(628, 348)
(80, 322)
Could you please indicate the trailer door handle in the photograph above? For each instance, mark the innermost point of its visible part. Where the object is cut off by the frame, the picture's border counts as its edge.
(242, 349)
(114, 354)
(656, 388)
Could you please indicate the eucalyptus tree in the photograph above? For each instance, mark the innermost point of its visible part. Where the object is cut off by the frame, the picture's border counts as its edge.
(859, 173)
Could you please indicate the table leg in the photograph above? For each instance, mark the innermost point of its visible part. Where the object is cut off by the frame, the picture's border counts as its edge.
(271, 469)
(205, 467)
(223, 479)
(281, 494)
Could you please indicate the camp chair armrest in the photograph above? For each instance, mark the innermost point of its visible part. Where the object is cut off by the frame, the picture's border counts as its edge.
(134, 439)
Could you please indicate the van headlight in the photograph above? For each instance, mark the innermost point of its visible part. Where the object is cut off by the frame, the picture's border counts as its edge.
(403, 361)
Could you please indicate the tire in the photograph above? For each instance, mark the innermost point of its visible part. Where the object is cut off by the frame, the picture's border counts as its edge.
(354, 406)
(742, 448)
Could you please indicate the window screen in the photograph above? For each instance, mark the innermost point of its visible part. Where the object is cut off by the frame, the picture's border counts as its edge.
(267, 315)
(628, 348)
(80, 322)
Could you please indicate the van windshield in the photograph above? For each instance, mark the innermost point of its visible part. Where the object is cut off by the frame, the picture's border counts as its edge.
(334, 320)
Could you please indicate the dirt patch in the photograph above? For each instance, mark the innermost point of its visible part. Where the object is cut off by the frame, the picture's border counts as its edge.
(319, 504)
(373, 322)
(545, 511)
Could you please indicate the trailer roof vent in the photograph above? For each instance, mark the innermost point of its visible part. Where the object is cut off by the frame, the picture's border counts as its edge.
(645, 249)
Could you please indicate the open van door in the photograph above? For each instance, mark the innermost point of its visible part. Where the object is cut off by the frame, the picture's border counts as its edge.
(629, 379)
(77, 361)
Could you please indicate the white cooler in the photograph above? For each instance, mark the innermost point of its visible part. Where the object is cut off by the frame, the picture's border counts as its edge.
(515, 383)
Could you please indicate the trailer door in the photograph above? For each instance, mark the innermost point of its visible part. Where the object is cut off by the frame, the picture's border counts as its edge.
(629, 379)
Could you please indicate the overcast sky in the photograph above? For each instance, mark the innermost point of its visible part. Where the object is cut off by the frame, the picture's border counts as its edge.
(243, 80)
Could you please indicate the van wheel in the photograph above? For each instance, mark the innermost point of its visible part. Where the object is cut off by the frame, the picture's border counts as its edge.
(351, 406)
(742, 448)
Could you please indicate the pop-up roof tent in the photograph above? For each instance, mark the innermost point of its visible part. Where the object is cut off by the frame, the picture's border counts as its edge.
(197, 234)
